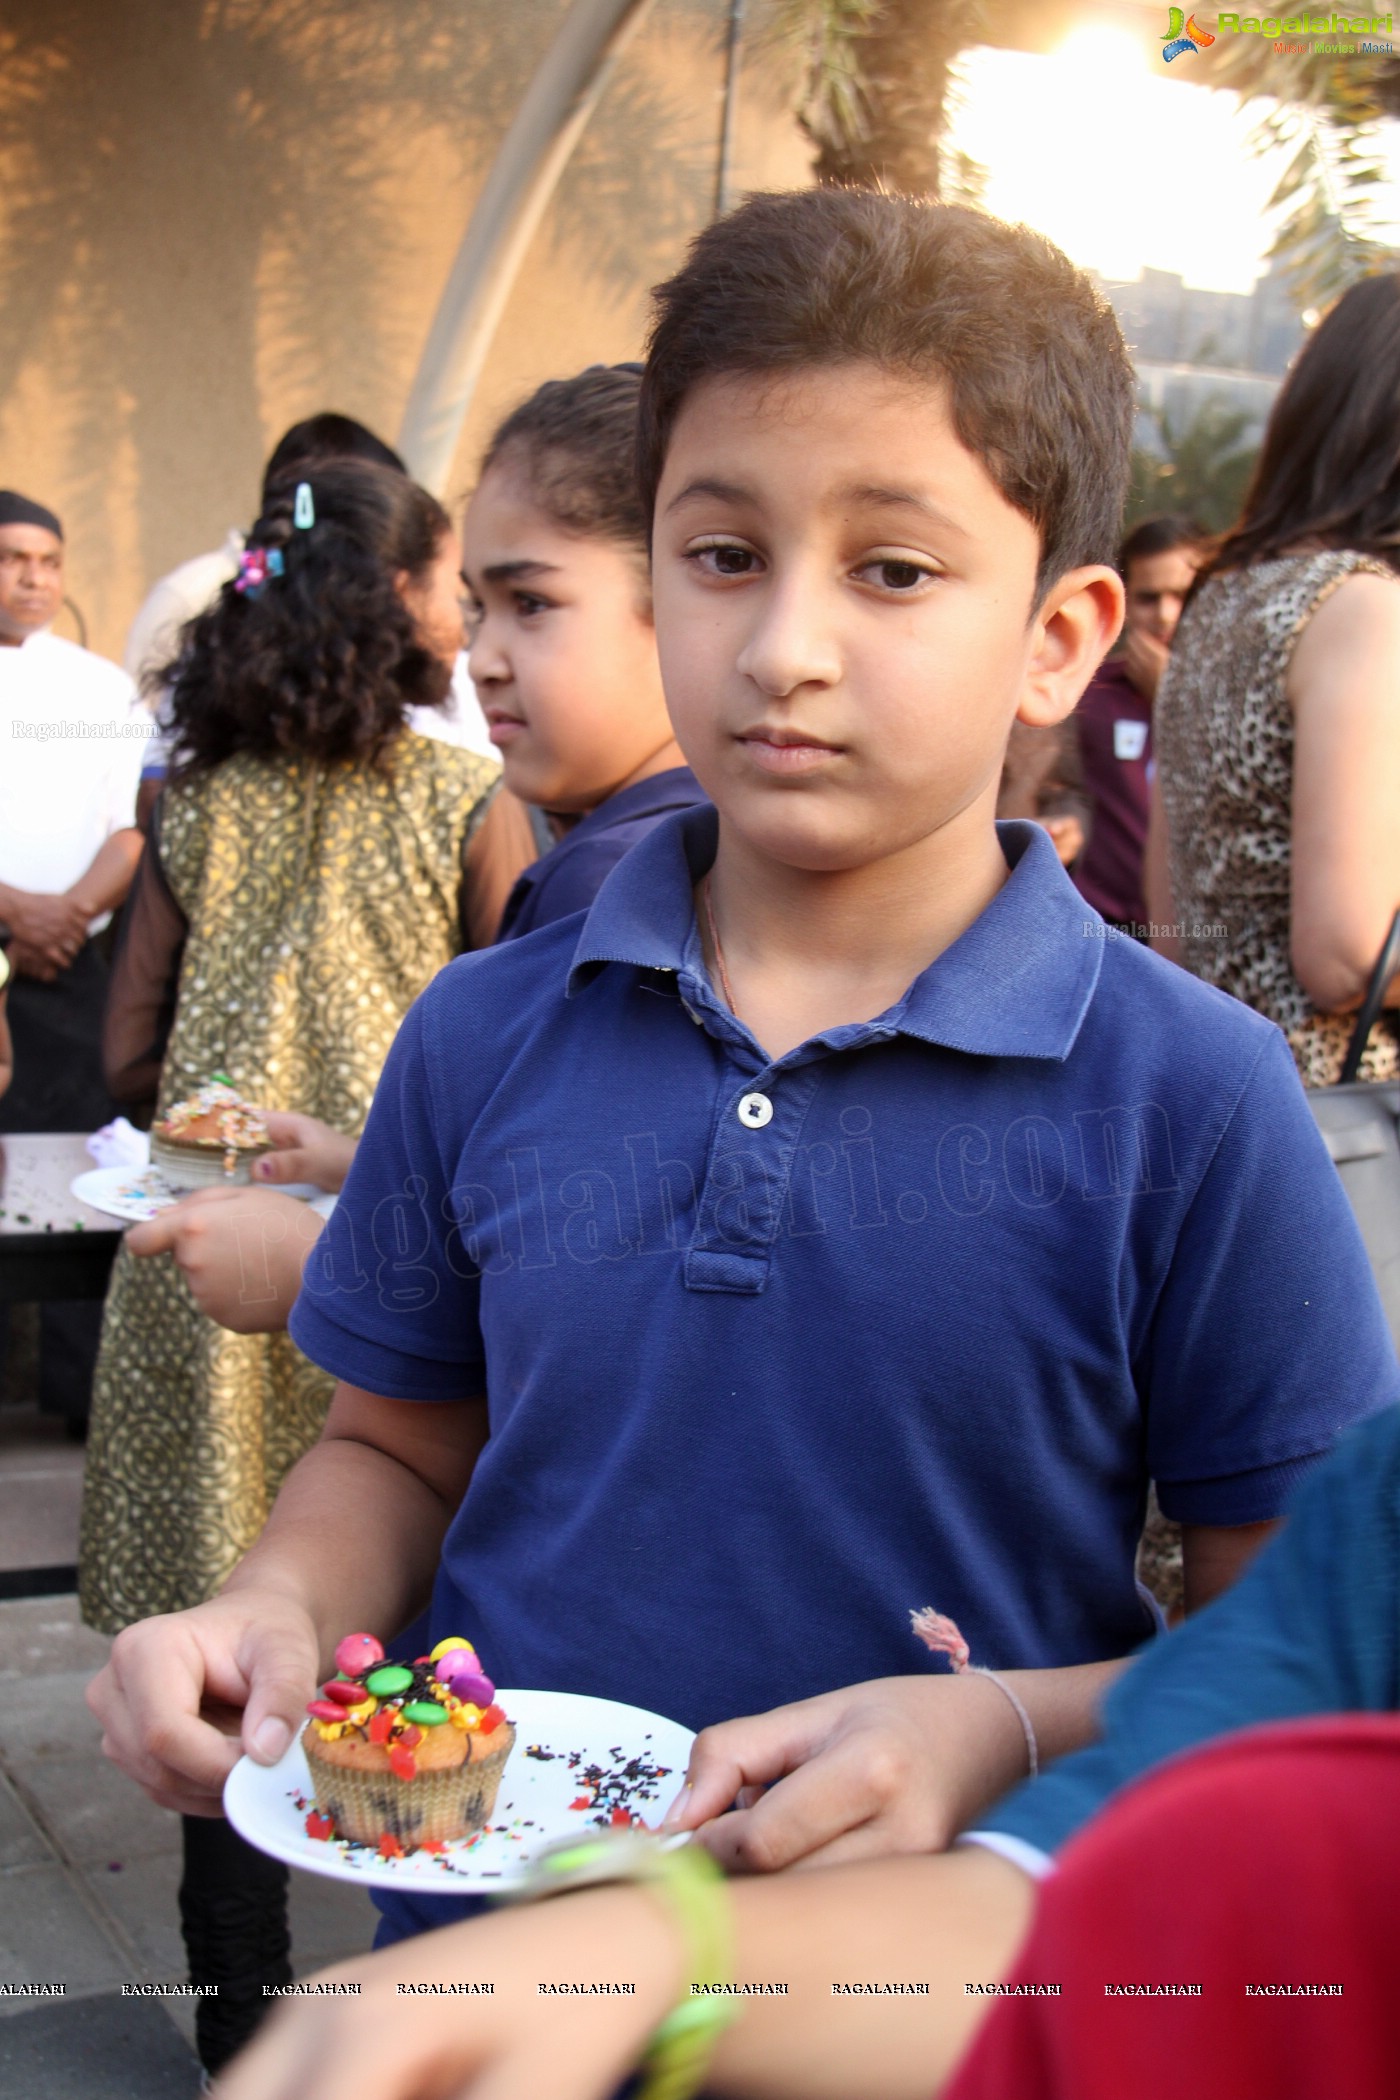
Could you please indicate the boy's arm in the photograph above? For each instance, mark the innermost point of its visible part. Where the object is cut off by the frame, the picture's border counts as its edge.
(1214, 1555)
(353, 1541)
(241, 1252)
(939, 1923)
(898, 1765)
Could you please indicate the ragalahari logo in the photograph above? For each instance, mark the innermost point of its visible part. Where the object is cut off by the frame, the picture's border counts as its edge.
(1179, 39)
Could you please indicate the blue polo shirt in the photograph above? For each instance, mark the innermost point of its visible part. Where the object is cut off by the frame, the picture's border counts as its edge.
(776, 1351)
(568, 877)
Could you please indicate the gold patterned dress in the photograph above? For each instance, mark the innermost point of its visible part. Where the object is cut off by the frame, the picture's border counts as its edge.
(316, 905)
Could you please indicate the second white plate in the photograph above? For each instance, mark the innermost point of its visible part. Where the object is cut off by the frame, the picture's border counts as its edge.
(135, 1194)
(132, 1194)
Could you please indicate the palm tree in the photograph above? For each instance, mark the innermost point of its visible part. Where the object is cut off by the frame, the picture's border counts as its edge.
(876, 89)
(1329, 112)
(1199, 466)
(281, 123)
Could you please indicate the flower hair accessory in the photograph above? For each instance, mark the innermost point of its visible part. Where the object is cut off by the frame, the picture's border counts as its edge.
(255, 569)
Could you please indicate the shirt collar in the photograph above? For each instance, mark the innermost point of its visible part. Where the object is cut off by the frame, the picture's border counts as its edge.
(1017, 983)
(676, 788)
(14, 650)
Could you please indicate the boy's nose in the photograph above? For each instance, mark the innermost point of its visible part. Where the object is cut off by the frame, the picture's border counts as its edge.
(791, 643)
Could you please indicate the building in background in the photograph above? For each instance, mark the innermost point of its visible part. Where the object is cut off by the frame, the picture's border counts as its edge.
(1194, 347)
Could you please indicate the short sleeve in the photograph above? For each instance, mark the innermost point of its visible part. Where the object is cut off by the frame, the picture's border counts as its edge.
(390, 1297)
(1268, 1338)
(1312, 1627)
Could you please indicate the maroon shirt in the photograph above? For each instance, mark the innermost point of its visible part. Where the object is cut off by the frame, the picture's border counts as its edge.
(1115, 751)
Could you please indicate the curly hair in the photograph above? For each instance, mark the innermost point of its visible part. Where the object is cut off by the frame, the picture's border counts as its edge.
(324, 661)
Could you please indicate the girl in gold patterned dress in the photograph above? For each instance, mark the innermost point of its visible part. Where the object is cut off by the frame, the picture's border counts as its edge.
(301, 886)
(303, 882)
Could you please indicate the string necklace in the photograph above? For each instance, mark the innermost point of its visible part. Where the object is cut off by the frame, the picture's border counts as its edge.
(725, 986)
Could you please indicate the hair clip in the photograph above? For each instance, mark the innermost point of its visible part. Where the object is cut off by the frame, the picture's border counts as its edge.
(304, 512)
(256, 567)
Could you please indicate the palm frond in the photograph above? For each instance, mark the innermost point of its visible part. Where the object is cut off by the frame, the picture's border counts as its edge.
(1327, 235)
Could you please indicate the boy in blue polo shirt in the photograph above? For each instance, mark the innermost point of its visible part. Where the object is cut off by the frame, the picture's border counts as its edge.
(829, 1221)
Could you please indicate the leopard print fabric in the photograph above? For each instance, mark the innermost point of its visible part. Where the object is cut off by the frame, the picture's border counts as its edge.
(319, 906)
(1223, 733)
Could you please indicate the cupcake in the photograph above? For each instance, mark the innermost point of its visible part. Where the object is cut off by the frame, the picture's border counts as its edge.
(405, 1755)
(211, 1139)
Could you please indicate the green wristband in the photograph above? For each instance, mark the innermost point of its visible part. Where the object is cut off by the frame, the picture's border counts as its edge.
(692, 1887)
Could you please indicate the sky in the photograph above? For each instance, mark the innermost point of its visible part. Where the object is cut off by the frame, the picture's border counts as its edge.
(1124, 166)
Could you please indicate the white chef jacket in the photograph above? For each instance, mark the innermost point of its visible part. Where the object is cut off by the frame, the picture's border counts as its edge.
(72, 736)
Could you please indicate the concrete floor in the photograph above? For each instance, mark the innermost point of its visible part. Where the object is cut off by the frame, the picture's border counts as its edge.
(89, 1867)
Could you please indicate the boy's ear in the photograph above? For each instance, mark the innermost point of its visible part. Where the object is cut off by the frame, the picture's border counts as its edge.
(1079, 620)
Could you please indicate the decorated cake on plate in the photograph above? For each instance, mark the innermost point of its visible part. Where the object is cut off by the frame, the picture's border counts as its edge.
(405, 1755)
(209, 1140)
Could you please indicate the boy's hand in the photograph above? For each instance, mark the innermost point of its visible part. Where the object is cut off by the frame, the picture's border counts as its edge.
(177, 1690)
(240, 1251)
(898, 1765)
(1068, 835)
(306, 1150)
(506, 2047)
(1144, 660)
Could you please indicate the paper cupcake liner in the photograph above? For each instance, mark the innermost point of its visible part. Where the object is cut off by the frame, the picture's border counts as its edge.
(431, 1808)
(185, 1169)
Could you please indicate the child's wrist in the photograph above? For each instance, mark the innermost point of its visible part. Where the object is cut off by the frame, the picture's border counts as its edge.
(690, 1960)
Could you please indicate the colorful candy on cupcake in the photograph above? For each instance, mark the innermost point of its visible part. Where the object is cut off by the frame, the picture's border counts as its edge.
(210, 1139)
(405, 1756)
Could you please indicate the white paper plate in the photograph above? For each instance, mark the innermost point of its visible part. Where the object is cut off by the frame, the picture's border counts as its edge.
(135, 1194)
(132, 1194)
(568, 1750)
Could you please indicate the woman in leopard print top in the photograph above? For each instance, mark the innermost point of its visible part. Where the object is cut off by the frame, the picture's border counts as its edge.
(1277, 726)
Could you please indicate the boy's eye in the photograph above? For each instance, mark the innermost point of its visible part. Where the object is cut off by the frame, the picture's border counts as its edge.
(892, 574)
(724, 558)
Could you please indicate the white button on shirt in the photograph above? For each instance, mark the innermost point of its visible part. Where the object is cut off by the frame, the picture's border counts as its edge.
(72, 736)
(755, 1110)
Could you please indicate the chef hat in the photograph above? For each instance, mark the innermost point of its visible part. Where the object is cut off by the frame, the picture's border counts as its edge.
(18, 510)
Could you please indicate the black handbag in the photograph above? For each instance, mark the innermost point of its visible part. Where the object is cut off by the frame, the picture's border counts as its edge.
(1360, 1122)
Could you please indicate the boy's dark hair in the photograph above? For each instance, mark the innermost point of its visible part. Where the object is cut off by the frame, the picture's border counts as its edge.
(320, 438)
(1040, 385)
(1161, 535)
(575, 444)
(1328, 472)
(322, 661)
